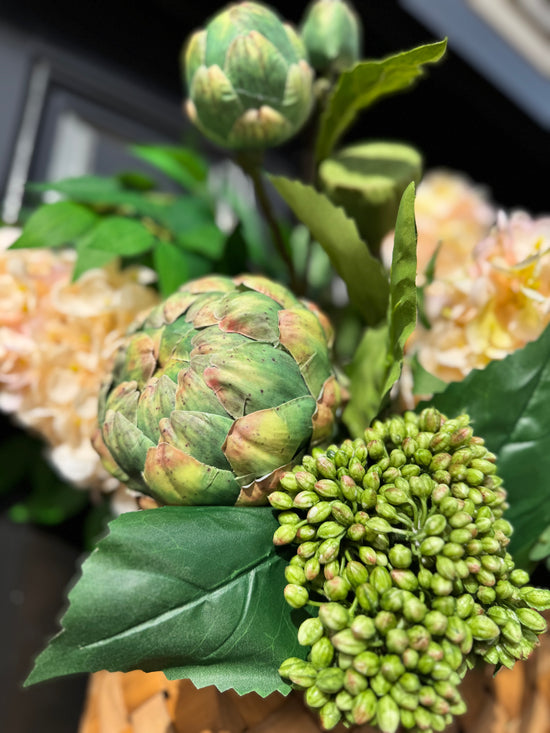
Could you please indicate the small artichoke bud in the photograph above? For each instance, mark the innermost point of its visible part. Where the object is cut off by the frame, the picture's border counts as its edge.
(296, 595)
(252, 58)
(333, 616)
(315, 698)
(310, 631)
(364, 707)
(329, 715)
(322, 653)
(331, 33)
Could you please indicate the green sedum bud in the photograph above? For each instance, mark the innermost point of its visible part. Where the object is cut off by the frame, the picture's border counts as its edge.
(248, 79)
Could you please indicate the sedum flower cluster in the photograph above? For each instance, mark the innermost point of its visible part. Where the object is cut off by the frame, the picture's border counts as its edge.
(401, 542)
(57, 340)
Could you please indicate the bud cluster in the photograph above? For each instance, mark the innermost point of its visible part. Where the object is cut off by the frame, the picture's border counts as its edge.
(402, 544)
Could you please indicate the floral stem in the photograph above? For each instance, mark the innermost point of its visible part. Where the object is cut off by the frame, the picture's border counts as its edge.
(251, 165)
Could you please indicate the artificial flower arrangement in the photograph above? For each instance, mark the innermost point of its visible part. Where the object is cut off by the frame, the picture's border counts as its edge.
(306, 521)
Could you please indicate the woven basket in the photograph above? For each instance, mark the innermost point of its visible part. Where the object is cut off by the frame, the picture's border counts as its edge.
(515, 701)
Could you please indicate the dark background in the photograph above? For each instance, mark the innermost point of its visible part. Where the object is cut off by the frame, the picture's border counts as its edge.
(118, 63)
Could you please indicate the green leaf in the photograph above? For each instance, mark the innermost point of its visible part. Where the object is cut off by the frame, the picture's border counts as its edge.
(53, 225)
(366, 83)
(151, 597)
(424, 383)
(377, 363)
(181, 164)
(171, 267)
(88, 258)
(364, 275)
(367, 372)
(508, 404)
(120, 236)
(402, 308)
(206, 240)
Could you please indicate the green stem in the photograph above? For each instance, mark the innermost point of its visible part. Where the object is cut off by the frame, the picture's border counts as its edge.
(251, 165)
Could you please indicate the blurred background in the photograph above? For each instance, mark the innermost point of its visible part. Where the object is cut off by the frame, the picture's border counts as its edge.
(81, 81)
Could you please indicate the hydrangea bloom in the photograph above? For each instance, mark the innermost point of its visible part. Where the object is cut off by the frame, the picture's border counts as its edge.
(498, 300)
(57, 340)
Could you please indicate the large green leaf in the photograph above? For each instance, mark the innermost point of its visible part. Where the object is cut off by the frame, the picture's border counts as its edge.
(364, 275)
(366, 83)
(53, 225)
(194, 591)
(377, 362)
(508, 404)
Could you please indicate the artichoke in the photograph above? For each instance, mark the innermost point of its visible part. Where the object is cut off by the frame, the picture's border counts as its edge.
(331, 32)
(248, 79)
(217, 391)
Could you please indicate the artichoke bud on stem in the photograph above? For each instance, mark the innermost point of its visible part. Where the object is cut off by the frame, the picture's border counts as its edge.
(407, 605)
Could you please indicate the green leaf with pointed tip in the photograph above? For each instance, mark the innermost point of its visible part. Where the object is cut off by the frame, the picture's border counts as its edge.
(171, 266)
(151, 598)
(424, 383)
(364, 275)
(402, 307)
(53, 225)
(508, 405)
(183, 165)
(367, 373)
(366, 83)
(377, 362)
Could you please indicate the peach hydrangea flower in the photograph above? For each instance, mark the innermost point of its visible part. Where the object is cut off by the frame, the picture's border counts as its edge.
(497, 300)
(57, 341)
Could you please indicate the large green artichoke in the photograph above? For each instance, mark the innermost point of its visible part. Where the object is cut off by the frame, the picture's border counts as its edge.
(249, 82)
(217, 392)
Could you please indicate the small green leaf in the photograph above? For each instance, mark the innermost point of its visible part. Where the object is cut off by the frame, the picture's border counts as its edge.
(88, 258)
(53, 225)
(171, 267)
(206, 240)
(120, 236)
(508, 404)
(364, 275)
(181, 164)
(366, 83)
(368, 373)
(151, 598)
